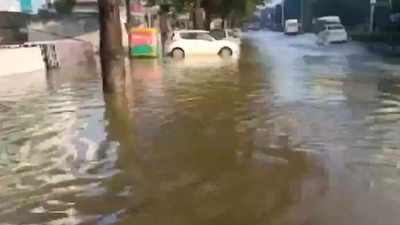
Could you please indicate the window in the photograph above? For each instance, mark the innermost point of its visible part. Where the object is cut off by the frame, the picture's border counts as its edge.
(218, 34)
(189, 36)
(336, 27)
(204, 36)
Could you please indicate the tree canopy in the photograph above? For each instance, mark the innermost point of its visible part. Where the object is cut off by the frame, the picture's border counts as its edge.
(396, 6)
(221, 8)
(351, 12)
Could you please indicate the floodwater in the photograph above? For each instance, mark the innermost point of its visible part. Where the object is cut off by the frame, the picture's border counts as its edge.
(290, 133)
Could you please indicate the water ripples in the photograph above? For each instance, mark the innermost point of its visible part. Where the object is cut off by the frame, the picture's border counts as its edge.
(53, 144)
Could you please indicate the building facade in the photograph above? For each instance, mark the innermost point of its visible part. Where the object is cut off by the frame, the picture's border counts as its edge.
(25, 6)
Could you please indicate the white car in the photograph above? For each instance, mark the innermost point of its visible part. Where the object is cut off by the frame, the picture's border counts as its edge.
(227, 34)
(292, 26)
(334, 33)
(199, 42)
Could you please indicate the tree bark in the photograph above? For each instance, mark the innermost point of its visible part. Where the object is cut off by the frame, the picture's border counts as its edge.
(198, 16)
(207, 22)
(128, 11)
(111, 50)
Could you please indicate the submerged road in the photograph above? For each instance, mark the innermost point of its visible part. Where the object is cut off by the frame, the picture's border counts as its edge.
(290, 133)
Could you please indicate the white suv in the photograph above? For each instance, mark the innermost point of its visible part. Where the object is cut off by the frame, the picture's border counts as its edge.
(199, 42)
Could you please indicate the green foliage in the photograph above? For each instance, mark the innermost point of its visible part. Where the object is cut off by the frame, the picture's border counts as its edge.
(64, 6)
(391, 38)
(396, 6)
(221, 8)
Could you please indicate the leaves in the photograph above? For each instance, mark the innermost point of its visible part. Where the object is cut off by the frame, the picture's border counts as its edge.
(221, 8)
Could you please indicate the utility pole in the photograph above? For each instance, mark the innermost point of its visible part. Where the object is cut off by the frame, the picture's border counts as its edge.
(128, 11)
(372, 14)
(111, 50)
(283, 14)
(302, 15)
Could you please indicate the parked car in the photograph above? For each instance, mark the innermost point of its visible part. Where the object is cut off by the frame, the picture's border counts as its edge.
(333, 34)
(329, 29)
(319, 23)
(292, 26)
(199, 42)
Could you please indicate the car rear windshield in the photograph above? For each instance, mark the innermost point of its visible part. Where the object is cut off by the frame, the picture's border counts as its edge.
(196, 36)
(336, 27)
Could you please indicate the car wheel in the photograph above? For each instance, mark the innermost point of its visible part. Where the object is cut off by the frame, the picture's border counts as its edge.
(178, 53)
(225, 52)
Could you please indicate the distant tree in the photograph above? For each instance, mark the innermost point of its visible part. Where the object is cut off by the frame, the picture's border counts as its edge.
(351, 12)
(64, 6)
(220, 8)
(396, 6)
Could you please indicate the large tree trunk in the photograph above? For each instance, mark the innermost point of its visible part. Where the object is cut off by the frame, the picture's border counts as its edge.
(111, 50)
(198, 16)
(128, 11)
(207, 21)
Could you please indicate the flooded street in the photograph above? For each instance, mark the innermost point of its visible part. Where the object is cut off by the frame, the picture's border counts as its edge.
(290, 133)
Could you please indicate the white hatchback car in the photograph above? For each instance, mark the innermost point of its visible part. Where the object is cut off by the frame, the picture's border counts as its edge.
(199, 42)
(333, 33)
(292, 26)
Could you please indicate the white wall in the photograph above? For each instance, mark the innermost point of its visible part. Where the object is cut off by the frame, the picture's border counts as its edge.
(11, 60)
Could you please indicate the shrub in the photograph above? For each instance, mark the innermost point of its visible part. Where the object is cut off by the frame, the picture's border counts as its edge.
(391, 38)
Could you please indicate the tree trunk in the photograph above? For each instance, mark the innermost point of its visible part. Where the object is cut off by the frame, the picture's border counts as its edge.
(207, 21)
(198, 16)
(128, 11)
(111, 50)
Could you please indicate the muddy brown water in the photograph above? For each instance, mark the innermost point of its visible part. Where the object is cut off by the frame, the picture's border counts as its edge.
(200, 141)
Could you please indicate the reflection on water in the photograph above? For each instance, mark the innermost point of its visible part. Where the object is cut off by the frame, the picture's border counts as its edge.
(198, 141)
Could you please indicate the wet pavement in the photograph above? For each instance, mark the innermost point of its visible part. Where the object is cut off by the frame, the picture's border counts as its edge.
(290, 133)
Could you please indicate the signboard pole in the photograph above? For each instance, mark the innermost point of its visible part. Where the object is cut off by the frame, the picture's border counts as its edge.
(371, 22)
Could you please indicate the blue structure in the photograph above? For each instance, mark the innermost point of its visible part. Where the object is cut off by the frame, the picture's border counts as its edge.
(26, 6)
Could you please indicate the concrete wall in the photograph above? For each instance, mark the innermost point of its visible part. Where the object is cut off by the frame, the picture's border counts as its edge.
(20, 60)
(63, 28)
(81, 27)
